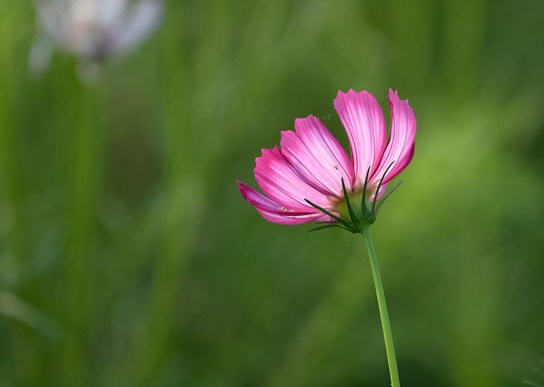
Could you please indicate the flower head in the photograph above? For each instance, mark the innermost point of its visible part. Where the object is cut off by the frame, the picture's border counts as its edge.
(92, 29)
(311, 178)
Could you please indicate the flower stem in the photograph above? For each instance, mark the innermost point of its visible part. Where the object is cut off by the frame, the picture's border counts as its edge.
(384, 315)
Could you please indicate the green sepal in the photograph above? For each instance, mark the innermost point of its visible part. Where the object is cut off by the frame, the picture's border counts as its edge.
(373, 211)
(364, 206)
(337, 218)
(358, 220)
(328, 225)
(387, 194)
(352, 214)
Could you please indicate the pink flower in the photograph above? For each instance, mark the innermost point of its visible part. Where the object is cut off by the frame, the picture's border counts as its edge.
(311, 178)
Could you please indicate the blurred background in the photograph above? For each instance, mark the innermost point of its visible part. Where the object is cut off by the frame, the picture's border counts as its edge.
(129, 258)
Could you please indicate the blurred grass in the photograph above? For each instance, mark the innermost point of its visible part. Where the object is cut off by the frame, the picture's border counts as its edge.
(128, 258)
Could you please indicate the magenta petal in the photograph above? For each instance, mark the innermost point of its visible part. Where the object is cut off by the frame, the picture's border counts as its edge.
(400, 148)
(278, 180)
(261, 202)
(317, 156)
(293, 219)
(274, 212)
(364, 122)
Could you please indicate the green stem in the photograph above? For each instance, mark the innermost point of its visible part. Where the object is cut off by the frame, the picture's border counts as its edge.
(384, 315)
(84, 181)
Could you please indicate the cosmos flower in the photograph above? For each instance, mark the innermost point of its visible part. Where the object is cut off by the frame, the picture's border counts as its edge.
(92, 30)
(311, 178)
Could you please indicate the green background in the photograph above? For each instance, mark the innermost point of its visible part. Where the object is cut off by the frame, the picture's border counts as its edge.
(129, 258)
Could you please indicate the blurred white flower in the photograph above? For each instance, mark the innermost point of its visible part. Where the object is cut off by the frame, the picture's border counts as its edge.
(92, 30)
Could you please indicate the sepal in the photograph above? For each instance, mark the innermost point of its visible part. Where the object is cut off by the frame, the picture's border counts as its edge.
(355, 219)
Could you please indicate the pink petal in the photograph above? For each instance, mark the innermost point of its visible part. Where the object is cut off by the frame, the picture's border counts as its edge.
(276, 213)
(400, 148)
(261, 202)
(317, 156)
(363, 120)
(278, 180)
(293, 220)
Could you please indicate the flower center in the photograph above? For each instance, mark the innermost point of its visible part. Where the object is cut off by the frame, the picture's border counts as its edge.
(355, 201)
